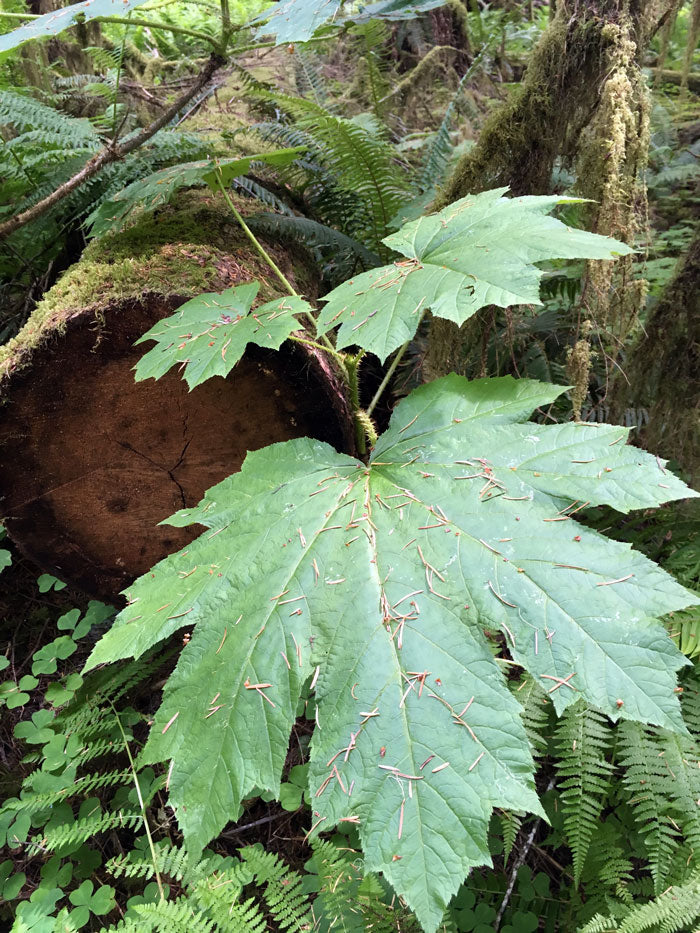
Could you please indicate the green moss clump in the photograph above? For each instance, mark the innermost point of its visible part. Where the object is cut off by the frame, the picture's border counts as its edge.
(188, 248)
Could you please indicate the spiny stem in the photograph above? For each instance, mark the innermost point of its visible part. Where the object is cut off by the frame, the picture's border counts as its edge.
(364, 429)
(263, 253)
(159, 880)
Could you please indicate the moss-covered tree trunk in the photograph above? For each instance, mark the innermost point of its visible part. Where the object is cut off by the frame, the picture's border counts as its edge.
(90, 460)
(663, 368)
(544, 118)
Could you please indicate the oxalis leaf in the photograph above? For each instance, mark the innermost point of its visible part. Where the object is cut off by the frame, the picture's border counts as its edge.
(478, 251)
(378, 582)
(208, 335)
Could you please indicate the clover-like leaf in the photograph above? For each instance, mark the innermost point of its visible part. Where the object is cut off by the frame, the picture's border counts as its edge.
(5, 558)
(48, 582)
(478, 251)
(87, 900)
(377, 581)
(209, 334)
(45, 660)
(37, 731)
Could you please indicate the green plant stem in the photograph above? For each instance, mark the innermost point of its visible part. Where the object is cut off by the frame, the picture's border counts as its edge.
(115, 127)
(132, 765)
(308, 343)
(259, 248)
(154, 24)
(387, 378)
(263, 253)
(225, 15)
(20, 15)
(390, 371)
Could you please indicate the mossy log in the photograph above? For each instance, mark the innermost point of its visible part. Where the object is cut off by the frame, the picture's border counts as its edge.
(90, 460)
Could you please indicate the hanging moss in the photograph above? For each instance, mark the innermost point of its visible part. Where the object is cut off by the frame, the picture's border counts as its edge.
(521, 139)
(611, 173)
(185, 249)
(585, 68)
(578, 369)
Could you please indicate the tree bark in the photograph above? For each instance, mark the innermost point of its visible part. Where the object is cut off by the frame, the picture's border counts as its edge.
(91, 461)
(541, 121)
(663, 369)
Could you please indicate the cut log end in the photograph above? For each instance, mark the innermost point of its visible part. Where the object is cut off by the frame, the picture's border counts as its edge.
(91, 461)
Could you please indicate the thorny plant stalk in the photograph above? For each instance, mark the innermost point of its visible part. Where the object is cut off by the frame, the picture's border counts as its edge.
(364, 430)
(142, 805)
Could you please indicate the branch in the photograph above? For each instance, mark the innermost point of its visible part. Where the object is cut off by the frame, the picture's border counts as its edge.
(153, 24)
(111, 153)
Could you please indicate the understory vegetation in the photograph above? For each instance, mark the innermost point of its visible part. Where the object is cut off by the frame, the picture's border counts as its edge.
(448, 676)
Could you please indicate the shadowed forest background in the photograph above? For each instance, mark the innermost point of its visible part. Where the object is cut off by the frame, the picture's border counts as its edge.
(155, 153)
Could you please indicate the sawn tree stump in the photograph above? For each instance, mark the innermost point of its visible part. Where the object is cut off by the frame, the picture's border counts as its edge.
(91, 461)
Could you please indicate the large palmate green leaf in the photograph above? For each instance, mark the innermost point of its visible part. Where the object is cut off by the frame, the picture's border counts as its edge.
(378, 582)
(157, 189)
(298, 20)
(478, 251)
(51, 24)
(209, 334)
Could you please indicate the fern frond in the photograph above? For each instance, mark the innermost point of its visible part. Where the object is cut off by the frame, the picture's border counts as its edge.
(282, 892)
(582, 742)
(340, 255)
(599, 924)
(535, 713)
(650, 787)
(228, 915)
(308, 78)
(67, 834)
(608, 870)
(253, 189)
(179, 916)
(671, 912)
(510, 827)
(26, 113)
(441, 148)
(361, 163)
(35, 803)
(175, 863)
(690, 702)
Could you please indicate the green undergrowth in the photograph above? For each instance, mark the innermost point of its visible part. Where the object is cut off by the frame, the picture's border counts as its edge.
(186, 248)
